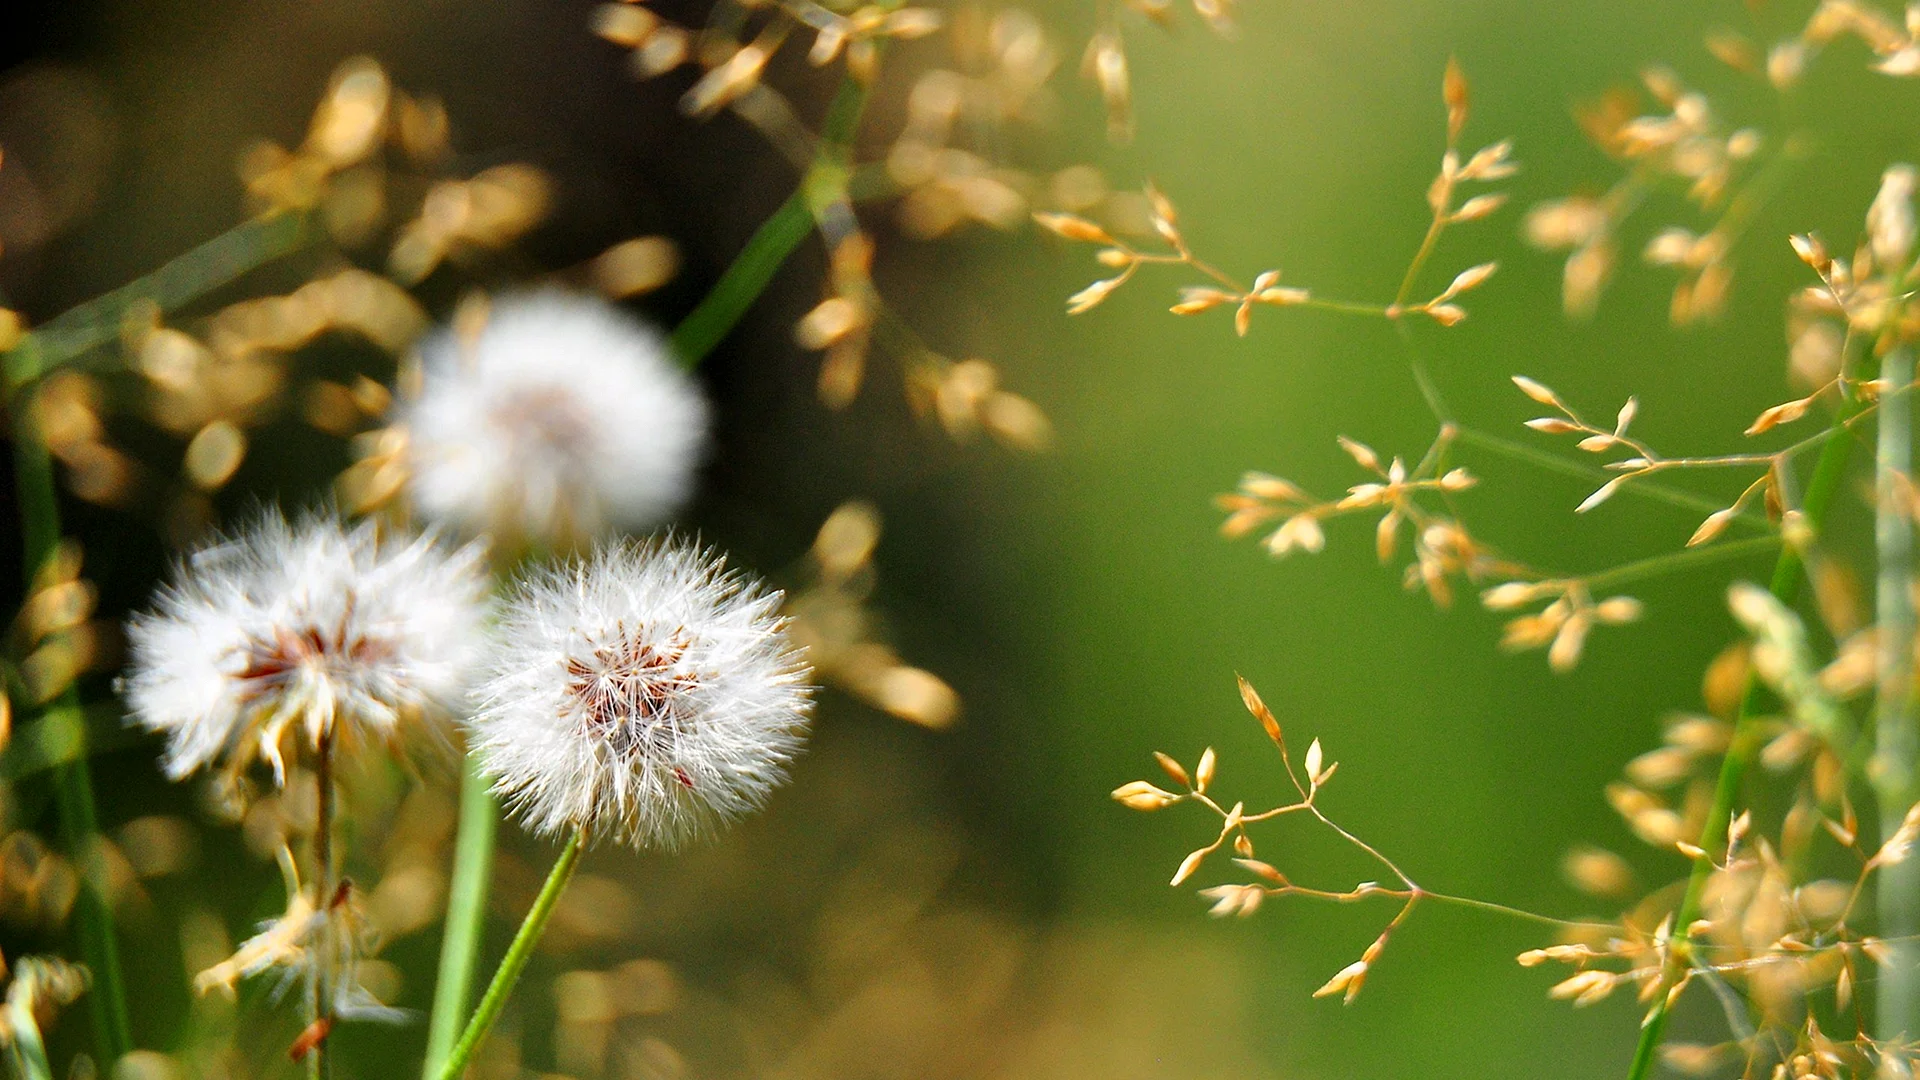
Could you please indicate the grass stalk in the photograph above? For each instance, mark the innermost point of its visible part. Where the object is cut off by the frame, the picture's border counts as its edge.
(518, 953)
(1895, 740)
(1789, 571)
(743, 281)
(177, 282)
(72, 779)
(466, 918)
(778, 237)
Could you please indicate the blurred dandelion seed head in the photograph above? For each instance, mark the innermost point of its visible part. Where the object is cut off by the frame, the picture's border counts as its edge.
(303, 626)
(644, 693)
(559, 417)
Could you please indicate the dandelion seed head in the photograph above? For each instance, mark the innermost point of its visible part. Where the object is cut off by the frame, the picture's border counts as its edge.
(306, 625)
(560, 417)
(644, 693)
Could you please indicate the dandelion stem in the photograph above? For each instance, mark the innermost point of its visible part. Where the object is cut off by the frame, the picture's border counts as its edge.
(511, 964)
(466, 918)
(1788, 572)
(321, 1062)
(1895, 737)
(72, 778)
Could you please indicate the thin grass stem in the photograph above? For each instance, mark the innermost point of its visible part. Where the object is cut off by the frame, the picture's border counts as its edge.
(177, 282)
(1520, 451)
(466, 918)
(743, 281)
(1668, 562)
(751, 271)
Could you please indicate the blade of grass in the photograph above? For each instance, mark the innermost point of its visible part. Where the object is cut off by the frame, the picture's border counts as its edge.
(179, 281)
(72, 779)
(744, 280)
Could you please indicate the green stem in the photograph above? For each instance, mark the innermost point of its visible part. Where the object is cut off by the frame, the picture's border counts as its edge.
(179, 281)
(1654, 565)
(466, 918)
(320, 1061)
(1646, 489)
(516, 959)
(752, 270)
(1788, 572)
(72, 779)
(1895, 738)
(743, 282)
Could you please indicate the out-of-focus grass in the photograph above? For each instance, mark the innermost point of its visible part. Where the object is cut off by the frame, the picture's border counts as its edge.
(1082, 601)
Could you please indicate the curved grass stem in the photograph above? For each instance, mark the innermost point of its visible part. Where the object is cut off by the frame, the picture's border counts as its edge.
(518, 953)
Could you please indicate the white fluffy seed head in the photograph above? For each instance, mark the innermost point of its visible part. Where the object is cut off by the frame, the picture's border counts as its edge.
(309, 627)
(561, 417)
(644, 694)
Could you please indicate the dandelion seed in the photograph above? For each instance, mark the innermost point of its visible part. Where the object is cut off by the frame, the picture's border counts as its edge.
(645, 694)
(560, 417)
(306, 626)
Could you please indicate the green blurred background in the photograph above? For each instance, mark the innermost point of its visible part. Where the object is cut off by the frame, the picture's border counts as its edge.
(1081, 601)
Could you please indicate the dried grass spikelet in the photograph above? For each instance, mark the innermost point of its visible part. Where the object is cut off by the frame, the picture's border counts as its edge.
(1686, 145)
(1894, 45)
(1597, 872)
(67, 408)
(831, 621)
(55, 633)
(327, 939)
(346, 129)
(461, 217)
(841, 325)
(1562, 626)
(1442, 547)
(213, 391)
(635, 267)
(37, 988)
